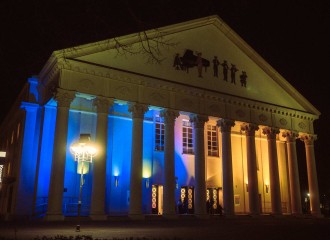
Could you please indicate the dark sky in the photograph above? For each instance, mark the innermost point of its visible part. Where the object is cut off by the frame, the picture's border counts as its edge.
(292, 36)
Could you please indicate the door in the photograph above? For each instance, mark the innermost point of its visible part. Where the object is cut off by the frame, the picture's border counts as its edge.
(157, 199)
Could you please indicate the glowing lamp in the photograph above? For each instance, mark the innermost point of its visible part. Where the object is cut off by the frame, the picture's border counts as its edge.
(147, 182)
(267, 187)
(83, 151)
(116, 181)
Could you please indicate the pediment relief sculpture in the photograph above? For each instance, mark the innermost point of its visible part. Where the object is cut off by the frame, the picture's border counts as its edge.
(283, 121)
(240, 113)
(262, 118)
(123, 91)
(85, 84)
(302, 125)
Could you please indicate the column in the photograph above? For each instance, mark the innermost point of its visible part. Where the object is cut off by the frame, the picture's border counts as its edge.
(293, 171)
(312, 175)
(227, 166)
(54, 210)
(275, 192)
(99, 165)
(135, 205)
(254, 203)
(199, 149)
(169, 171)
(27, 175)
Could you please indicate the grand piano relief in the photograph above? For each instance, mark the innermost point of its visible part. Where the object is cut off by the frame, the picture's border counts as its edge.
(189, 60)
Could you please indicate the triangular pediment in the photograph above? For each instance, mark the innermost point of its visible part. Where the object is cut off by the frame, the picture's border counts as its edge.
(209, 36)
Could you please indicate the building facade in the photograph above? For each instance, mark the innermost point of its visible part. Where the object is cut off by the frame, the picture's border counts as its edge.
(211, 128)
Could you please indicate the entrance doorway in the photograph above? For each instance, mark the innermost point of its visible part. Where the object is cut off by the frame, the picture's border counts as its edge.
(186, 200)
(213, 200)
(157, 199)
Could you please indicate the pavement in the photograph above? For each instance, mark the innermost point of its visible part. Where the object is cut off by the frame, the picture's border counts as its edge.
(184, 227)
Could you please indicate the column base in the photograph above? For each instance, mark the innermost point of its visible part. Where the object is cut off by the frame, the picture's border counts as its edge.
(99, 217)
(136, 216)
(54, 217)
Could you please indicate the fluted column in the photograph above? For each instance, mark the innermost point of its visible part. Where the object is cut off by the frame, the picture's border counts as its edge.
(312, 175)
(169, 171)
(275, 192)
(227, 166)
(199, 149)
(54, 210)
(295, 195)
(99, 176)
(254, 203)
(135, 205)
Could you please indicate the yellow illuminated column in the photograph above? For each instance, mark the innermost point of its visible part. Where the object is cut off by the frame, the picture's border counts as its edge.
(254, 203)
(275, 192)
(169, 171)
(200, 185)
(227, 166)
(312, 175)
(99, 176)
(293, 171)
(135, 205)
(54, 209)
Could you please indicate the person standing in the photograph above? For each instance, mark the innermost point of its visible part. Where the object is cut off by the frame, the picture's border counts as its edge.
(199, 64)
(243, 78)
(225, 70)
(216, 64)
(233, 71)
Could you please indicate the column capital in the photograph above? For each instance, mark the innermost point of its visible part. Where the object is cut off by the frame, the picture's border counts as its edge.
(169, 115)
(270, 132)
(225, 124)
(138, 110)
(29, 107)
(102, 104)
(198, 120)
(249, 128)
(308, 139)
(64, 97)
(290, 136)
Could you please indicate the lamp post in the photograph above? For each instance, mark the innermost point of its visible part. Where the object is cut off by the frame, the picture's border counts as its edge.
(84, 151)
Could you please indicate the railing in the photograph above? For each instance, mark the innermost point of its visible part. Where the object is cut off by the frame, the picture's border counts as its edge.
(40, 208)
(70, 207)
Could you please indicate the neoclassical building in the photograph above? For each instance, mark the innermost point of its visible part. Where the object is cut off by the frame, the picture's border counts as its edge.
(211, 126)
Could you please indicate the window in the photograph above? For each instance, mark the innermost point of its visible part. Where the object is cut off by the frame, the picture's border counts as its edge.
(159, 134)
(187, 137)
(212, 141)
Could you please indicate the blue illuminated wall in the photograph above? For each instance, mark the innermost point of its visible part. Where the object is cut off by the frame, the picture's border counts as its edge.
(45, 159)
(79, 123)
(119, 160)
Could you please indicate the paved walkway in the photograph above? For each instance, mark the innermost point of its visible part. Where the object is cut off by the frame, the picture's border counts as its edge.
(190, 228)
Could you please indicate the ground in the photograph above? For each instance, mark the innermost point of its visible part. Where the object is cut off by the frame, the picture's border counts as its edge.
(190, 228)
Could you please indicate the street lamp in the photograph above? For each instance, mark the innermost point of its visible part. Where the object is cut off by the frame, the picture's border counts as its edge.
(84, 151)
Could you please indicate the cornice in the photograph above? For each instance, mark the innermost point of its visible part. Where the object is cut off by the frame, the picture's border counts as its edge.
(176, 87)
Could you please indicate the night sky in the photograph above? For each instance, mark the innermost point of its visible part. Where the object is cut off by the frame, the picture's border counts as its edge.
(292, 36)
